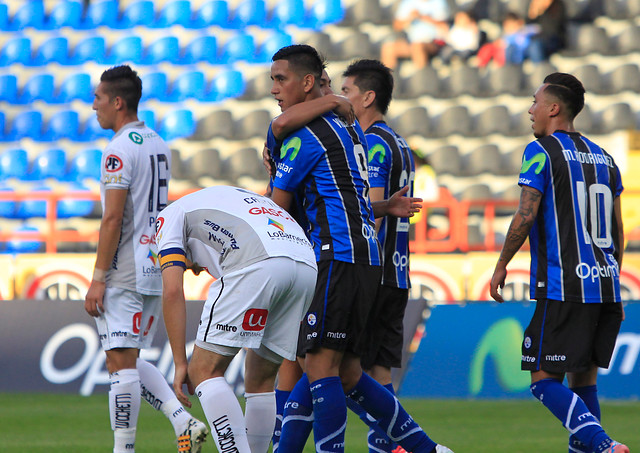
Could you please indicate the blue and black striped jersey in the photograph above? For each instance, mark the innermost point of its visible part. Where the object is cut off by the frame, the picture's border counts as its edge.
(328, 159)
(391, 166)
(574, 240)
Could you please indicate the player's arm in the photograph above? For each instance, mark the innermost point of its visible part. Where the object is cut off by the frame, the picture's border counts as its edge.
(282, 198)
(300, 114)
(396, 205)
(617, 212)
(108, 239)
(516, 235)
(376, 194)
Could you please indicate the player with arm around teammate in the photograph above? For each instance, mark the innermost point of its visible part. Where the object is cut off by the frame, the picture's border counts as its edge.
(570, 211)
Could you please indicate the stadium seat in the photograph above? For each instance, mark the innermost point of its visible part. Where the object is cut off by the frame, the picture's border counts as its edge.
(245, 162)
(217, 124)
(63, 125)
(202, 49)
(464, 80)
(258, 87)
(26, 124)
(324, 12)
(75, 207)
(628, 41)
(454, 120)
(28, 209)
(589, 38)
(253, 124)
(624, 78)
(14, 163)
(446, 160)
(226, 84)
(584, 122)
(99, 13)
(53, 50)
(508, 79)
(126, 50)
(50, 163)
(272, 44)
(354, 46)
(64, 14)
(137, 13)
(413, 121)
(9, 88)
(29, 14)
(485, 159)
(16, 50)
(214, 12)
(90, 49)
(2, 126)
(249, 12)
(149, 118)
(7, 207)
(76, 86)
(17, 246)
(511, 162)
(176, 12)
(177, 124)
(154, 86)
(85, 165)
(188, 85)
(617, 117)
(321, 41)
(205, 163)
(240, 47)
(164, 49)
(288, 12)
(93, 131)
(38, 87)
(590, 76)
(494, 120)
(423, 82)
(365, 11)
(4, 17)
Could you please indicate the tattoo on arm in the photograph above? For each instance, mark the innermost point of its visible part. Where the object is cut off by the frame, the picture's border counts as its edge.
(521, 224)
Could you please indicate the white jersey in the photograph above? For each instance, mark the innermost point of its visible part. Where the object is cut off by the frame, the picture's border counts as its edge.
(225, 229)
(139, 161)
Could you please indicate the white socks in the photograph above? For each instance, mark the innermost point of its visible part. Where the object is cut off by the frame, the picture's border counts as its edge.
(260, 418)
(224, 414)
(124, 406)
(157, 392)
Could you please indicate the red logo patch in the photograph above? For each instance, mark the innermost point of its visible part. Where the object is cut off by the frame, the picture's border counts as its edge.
(255, 319)
(159, 224)
(112, 163)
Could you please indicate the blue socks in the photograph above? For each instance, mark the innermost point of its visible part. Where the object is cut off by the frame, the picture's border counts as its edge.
(330, 414)
(281, 398)
(391, 416)
(589, 395)
(377, 439)
(297, 420)
(571, 410)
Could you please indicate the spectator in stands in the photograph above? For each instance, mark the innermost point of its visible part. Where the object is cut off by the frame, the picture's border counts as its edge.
(551, 19)
(511, 47)
(424, 24)
(463, 39)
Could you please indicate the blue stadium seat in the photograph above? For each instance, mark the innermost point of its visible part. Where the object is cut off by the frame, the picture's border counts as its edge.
(176, 12)
(154, 86)
(28, 209)
(166, 48)
(16, 50)
(2, 126)
(128, 49)
(7, 207)
(148, 117)
(240, 47)
(63, 124)
(177, 124)
(89, 49)
(14, 163)
(137, 13)
(50, 163)
(249, 12)
(226, 84)
(85, 164)
(188, 85)
(201, 49)
(9, 88)
(4, 17)
(25, 245)
(214, 12)
(74, 207)
(30, 14)
(324, 12)
(53, 50)
(38, 87)
(101, 13)
(93, 131)
(272, 44)
(288, 12)
(26, 124)
(76, 86)
(64, 14)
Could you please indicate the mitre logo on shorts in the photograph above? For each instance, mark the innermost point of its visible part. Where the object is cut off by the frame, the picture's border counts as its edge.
(112, 163)
(255, 319)
(312, 319)
(527, 342)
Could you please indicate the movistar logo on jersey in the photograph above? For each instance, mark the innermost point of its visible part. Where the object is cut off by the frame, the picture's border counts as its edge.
(377, 149)
(539, 159)
(294, 145)
(136, 138)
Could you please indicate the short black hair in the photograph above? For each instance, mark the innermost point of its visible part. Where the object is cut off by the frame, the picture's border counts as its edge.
(568, 89)
(124, 82)
(303, 59)
(375, 76)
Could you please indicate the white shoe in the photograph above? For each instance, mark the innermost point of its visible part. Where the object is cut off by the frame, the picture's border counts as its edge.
(191, 439)
(443, 449)
(617, 447)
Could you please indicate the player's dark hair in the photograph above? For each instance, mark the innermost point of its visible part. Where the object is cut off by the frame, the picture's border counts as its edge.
(375, 76)
(568, 90)
(303, 59)
(124, 82)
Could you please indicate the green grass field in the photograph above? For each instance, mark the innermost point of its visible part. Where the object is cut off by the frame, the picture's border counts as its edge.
(36, 423)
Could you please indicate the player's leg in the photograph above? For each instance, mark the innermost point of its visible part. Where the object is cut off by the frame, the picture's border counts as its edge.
(289, 374)
(585, 386)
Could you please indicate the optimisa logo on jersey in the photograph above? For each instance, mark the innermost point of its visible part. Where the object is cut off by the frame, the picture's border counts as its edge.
(584, 271)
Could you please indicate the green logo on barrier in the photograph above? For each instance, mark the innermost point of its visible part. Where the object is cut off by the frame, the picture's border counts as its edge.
(293, 144)
(502, 343)
(377, 148)
(540, 159)
(136, 138)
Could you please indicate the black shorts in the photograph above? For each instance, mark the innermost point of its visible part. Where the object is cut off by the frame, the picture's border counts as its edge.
(565, 337)
(385, 329)
(343, 298)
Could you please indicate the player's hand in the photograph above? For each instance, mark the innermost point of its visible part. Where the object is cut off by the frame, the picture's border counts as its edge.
(180, 378)
(345, 109)
(93, 301)
(400, 206)
(497, 281)
(267, 161)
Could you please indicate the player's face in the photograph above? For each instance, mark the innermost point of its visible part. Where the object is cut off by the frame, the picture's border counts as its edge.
(287, 87)
(105, 108)
(539, 113)
(325, 84)
(352, 92)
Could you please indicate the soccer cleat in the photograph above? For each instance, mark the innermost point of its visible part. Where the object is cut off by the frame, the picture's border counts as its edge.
(191, 439)
(443, 449)
(617, 447)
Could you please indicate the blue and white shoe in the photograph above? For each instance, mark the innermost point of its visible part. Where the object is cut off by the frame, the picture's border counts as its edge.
(617, 447)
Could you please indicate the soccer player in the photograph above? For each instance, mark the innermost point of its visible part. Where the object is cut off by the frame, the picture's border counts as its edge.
(570, 211)
(125, 291)
(327, 159)
(266, 273)
(368, 84)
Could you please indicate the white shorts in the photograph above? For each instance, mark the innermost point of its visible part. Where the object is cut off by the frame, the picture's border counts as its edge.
(130, 319)
(261, 304)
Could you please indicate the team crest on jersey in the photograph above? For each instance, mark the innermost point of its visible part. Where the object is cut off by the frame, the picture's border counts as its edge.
(377, 149)
(539, 160)
(136, 138)
(294, 145)
(159, 224)
(112, 163)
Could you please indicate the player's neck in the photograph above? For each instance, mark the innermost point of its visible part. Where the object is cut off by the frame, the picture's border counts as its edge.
(368, 117)
(125, 119)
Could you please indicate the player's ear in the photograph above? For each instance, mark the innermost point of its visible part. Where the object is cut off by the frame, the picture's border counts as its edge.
(555, 108)
(309, 81)
(369, 98)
